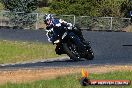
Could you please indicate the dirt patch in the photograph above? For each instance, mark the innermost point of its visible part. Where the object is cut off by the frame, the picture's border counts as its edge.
(128, 29)
(20, 76)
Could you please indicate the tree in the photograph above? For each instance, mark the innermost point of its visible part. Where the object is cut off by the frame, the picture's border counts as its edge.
(126, 7)
(109, 8)
(26, 6)
(43, 3)
(21, 12)
(76, 7)
(114, 8)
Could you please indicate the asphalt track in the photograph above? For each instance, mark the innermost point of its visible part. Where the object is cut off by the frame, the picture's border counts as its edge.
(110, 48)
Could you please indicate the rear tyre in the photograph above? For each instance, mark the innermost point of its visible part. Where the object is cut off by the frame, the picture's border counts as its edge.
(71, 51)
(89, 54)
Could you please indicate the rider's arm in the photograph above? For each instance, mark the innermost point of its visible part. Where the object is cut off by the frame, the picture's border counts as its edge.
(49, 26)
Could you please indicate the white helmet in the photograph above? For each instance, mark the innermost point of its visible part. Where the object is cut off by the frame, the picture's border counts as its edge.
(48, 17)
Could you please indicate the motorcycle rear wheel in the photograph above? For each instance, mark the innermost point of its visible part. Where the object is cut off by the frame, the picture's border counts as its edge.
(89, 55)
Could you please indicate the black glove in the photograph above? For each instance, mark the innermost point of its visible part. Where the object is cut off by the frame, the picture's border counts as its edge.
(49, 27)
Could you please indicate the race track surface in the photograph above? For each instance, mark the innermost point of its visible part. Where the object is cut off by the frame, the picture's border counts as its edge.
(109, 48)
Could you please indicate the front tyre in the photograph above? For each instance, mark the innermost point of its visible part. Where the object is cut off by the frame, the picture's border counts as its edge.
(72, 51)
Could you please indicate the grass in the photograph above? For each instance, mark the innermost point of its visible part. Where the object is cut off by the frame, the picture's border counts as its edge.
(72, 81)
(14, 51)
(128, 29)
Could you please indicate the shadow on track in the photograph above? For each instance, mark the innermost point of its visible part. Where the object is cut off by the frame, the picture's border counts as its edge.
(68, 63)
(41, 64)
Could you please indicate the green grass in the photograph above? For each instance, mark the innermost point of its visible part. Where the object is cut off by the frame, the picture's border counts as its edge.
(72, 81)
(14, 51)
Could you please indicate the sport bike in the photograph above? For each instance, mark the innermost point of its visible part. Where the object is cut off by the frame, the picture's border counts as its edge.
(68, 42)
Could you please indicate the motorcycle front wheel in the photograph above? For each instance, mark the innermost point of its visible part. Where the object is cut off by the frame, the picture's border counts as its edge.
(72, 51)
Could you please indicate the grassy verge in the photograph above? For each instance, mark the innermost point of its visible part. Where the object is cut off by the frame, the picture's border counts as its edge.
(71, 81)
(13, 51)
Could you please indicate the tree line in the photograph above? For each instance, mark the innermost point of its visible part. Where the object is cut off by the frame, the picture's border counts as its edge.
(114, 8)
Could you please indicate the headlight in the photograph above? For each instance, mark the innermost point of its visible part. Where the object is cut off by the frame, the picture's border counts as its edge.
(57, 41)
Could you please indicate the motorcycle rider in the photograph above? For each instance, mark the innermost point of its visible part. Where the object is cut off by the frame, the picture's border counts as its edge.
(57, 26)
(51, 22)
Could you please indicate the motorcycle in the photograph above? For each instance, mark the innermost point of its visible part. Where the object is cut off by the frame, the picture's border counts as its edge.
(68, 42)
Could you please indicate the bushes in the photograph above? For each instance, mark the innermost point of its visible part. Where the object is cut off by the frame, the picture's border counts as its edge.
(24, 9)
(76, 7)
(26, 6)
(114, 8)
(126, 7)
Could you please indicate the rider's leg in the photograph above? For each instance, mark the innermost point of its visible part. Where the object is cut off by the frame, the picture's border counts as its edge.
(79, 33)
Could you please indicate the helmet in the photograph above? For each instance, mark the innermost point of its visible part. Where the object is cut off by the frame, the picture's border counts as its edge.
(47, 17)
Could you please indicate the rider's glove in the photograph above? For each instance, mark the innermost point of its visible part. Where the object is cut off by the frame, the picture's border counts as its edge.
(49, 27)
